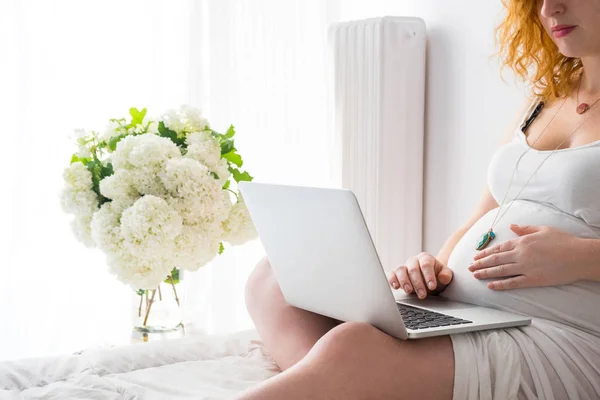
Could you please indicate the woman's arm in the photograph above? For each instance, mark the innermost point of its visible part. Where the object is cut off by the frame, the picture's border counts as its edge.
(435, 269)
(487, 201)
(589, 259)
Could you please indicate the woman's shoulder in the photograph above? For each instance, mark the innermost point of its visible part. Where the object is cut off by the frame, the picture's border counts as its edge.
(523, 110)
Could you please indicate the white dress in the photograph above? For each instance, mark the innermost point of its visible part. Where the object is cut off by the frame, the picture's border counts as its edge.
(558, 355)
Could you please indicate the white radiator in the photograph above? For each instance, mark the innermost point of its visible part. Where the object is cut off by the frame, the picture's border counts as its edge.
(379, 73)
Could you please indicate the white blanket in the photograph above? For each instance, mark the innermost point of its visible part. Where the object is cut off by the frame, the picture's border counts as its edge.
(195, 367)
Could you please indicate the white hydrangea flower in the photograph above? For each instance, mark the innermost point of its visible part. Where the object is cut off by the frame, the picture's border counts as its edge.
(194, 248)
(222, 171)
(84, 152)
(153, 126)
(83, 232)
(185, 120)
(83, 139)
(195, 194)
(106, 227)
(145, 157)
(144, 151)
(165, 210)
(184, 177)
(78, 196)
(200, 137)
(119, 186)
(137, 129)
(112, 129)
(139, 240)
(149, 228)
(173, 121)
(193, 117)
(146, 182)
(202, 146)
(138, 273)
(239, 227)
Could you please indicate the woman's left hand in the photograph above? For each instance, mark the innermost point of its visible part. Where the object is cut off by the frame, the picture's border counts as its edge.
(539, 256)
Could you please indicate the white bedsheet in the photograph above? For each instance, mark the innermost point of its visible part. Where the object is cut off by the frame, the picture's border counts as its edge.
(195, 367)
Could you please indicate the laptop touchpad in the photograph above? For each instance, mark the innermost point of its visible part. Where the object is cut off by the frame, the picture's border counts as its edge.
(439, 303)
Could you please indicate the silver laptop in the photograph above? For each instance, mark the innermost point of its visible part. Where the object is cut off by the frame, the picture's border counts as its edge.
(324, 260)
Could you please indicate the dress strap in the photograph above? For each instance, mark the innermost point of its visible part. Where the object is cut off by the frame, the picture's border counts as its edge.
(531, 114)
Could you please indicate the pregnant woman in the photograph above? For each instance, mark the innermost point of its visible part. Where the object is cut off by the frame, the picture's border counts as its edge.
(531, 246)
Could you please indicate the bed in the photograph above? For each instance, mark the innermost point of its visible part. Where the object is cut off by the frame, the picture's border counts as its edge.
(193, 367)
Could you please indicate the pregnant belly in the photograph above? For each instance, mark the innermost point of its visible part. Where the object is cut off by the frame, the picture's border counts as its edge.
(572, 304)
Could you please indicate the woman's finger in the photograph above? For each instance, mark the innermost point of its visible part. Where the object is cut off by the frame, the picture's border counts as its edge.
(445, 275)
(499, 271)
(393, 280)
(502, 247)
(495, 259)
(416, 278)
(402, 276)
(520, 281)
(428, 270)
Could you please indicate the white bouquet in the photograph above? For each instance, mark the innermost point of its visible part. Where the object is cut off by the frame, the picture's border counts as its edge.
(155, 196)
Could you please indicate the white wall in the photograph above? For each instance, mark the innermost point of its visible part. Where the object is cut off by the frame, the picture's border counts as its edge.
(468, 106)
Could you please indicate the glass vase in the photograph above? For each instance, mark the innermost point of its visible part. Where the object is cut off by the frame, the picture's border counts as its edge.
(158, 311)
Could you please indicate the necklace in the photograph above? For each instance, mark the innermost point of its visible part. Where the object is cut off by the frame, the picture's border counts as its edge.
(583, 107)
(487, 237)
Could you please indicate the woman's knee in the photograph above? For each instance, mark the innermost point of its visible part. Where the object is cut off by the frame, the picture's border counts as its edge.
(347, 342)
(259, 281)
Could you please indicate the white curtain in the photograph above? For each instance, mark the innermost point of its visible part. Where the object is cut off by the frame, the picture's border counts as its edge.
(263, 67)
(259, 65)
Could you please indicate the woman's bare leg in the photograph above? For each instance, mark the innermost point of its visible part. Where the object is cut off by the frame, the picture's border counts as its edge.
(287, 332)
(356, 361)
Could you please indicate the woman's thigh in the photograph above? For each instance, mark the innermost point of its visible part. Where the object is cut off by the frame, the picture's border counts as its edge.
(287, 332)
(362, 362)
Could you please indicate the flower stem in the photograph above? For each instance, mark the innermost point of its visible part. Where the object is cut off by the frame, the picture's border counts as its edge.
(237, 198)
(159, 293)
(140, 307)
(149, 306)
(174, 290)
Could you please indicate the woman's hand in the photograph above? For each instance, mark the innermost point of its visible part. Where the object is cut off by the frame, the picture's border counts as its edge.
(540, 256)
(418, 271)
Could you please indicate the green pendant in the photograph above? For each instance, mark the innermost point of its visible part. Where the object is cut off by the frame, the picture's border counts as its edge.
(485, 239)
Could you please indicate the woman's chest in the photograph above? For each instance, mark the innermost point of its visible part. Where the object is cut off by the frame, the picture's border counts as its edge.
(568, 180)
(558, 126)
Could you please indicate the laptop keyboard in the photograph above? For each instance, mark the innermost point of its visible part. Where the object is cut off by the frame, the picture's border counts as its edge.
(417, 318)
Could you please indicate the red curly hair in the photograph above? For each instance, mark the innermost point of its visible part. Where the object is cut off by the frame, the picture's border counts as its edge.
(528, 50)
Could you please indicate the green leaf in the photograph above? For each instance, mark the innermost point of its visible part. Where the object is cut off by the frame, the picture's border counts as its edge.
(221, 248)
(230, 132)
(234, 157)
(226, 185)
(107, 170)
(174, 275)
(240, 176)
(112, 143)
(217, 135)
(96, 170)
(226, 146)
(82, 160)
(140, 292)
(137, 117)
(99, 172)
(214, 175)
(168, 133)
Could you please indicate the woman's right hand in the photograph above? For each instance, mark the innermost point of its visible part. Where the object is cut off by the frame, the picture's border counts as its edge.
(419, 271)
